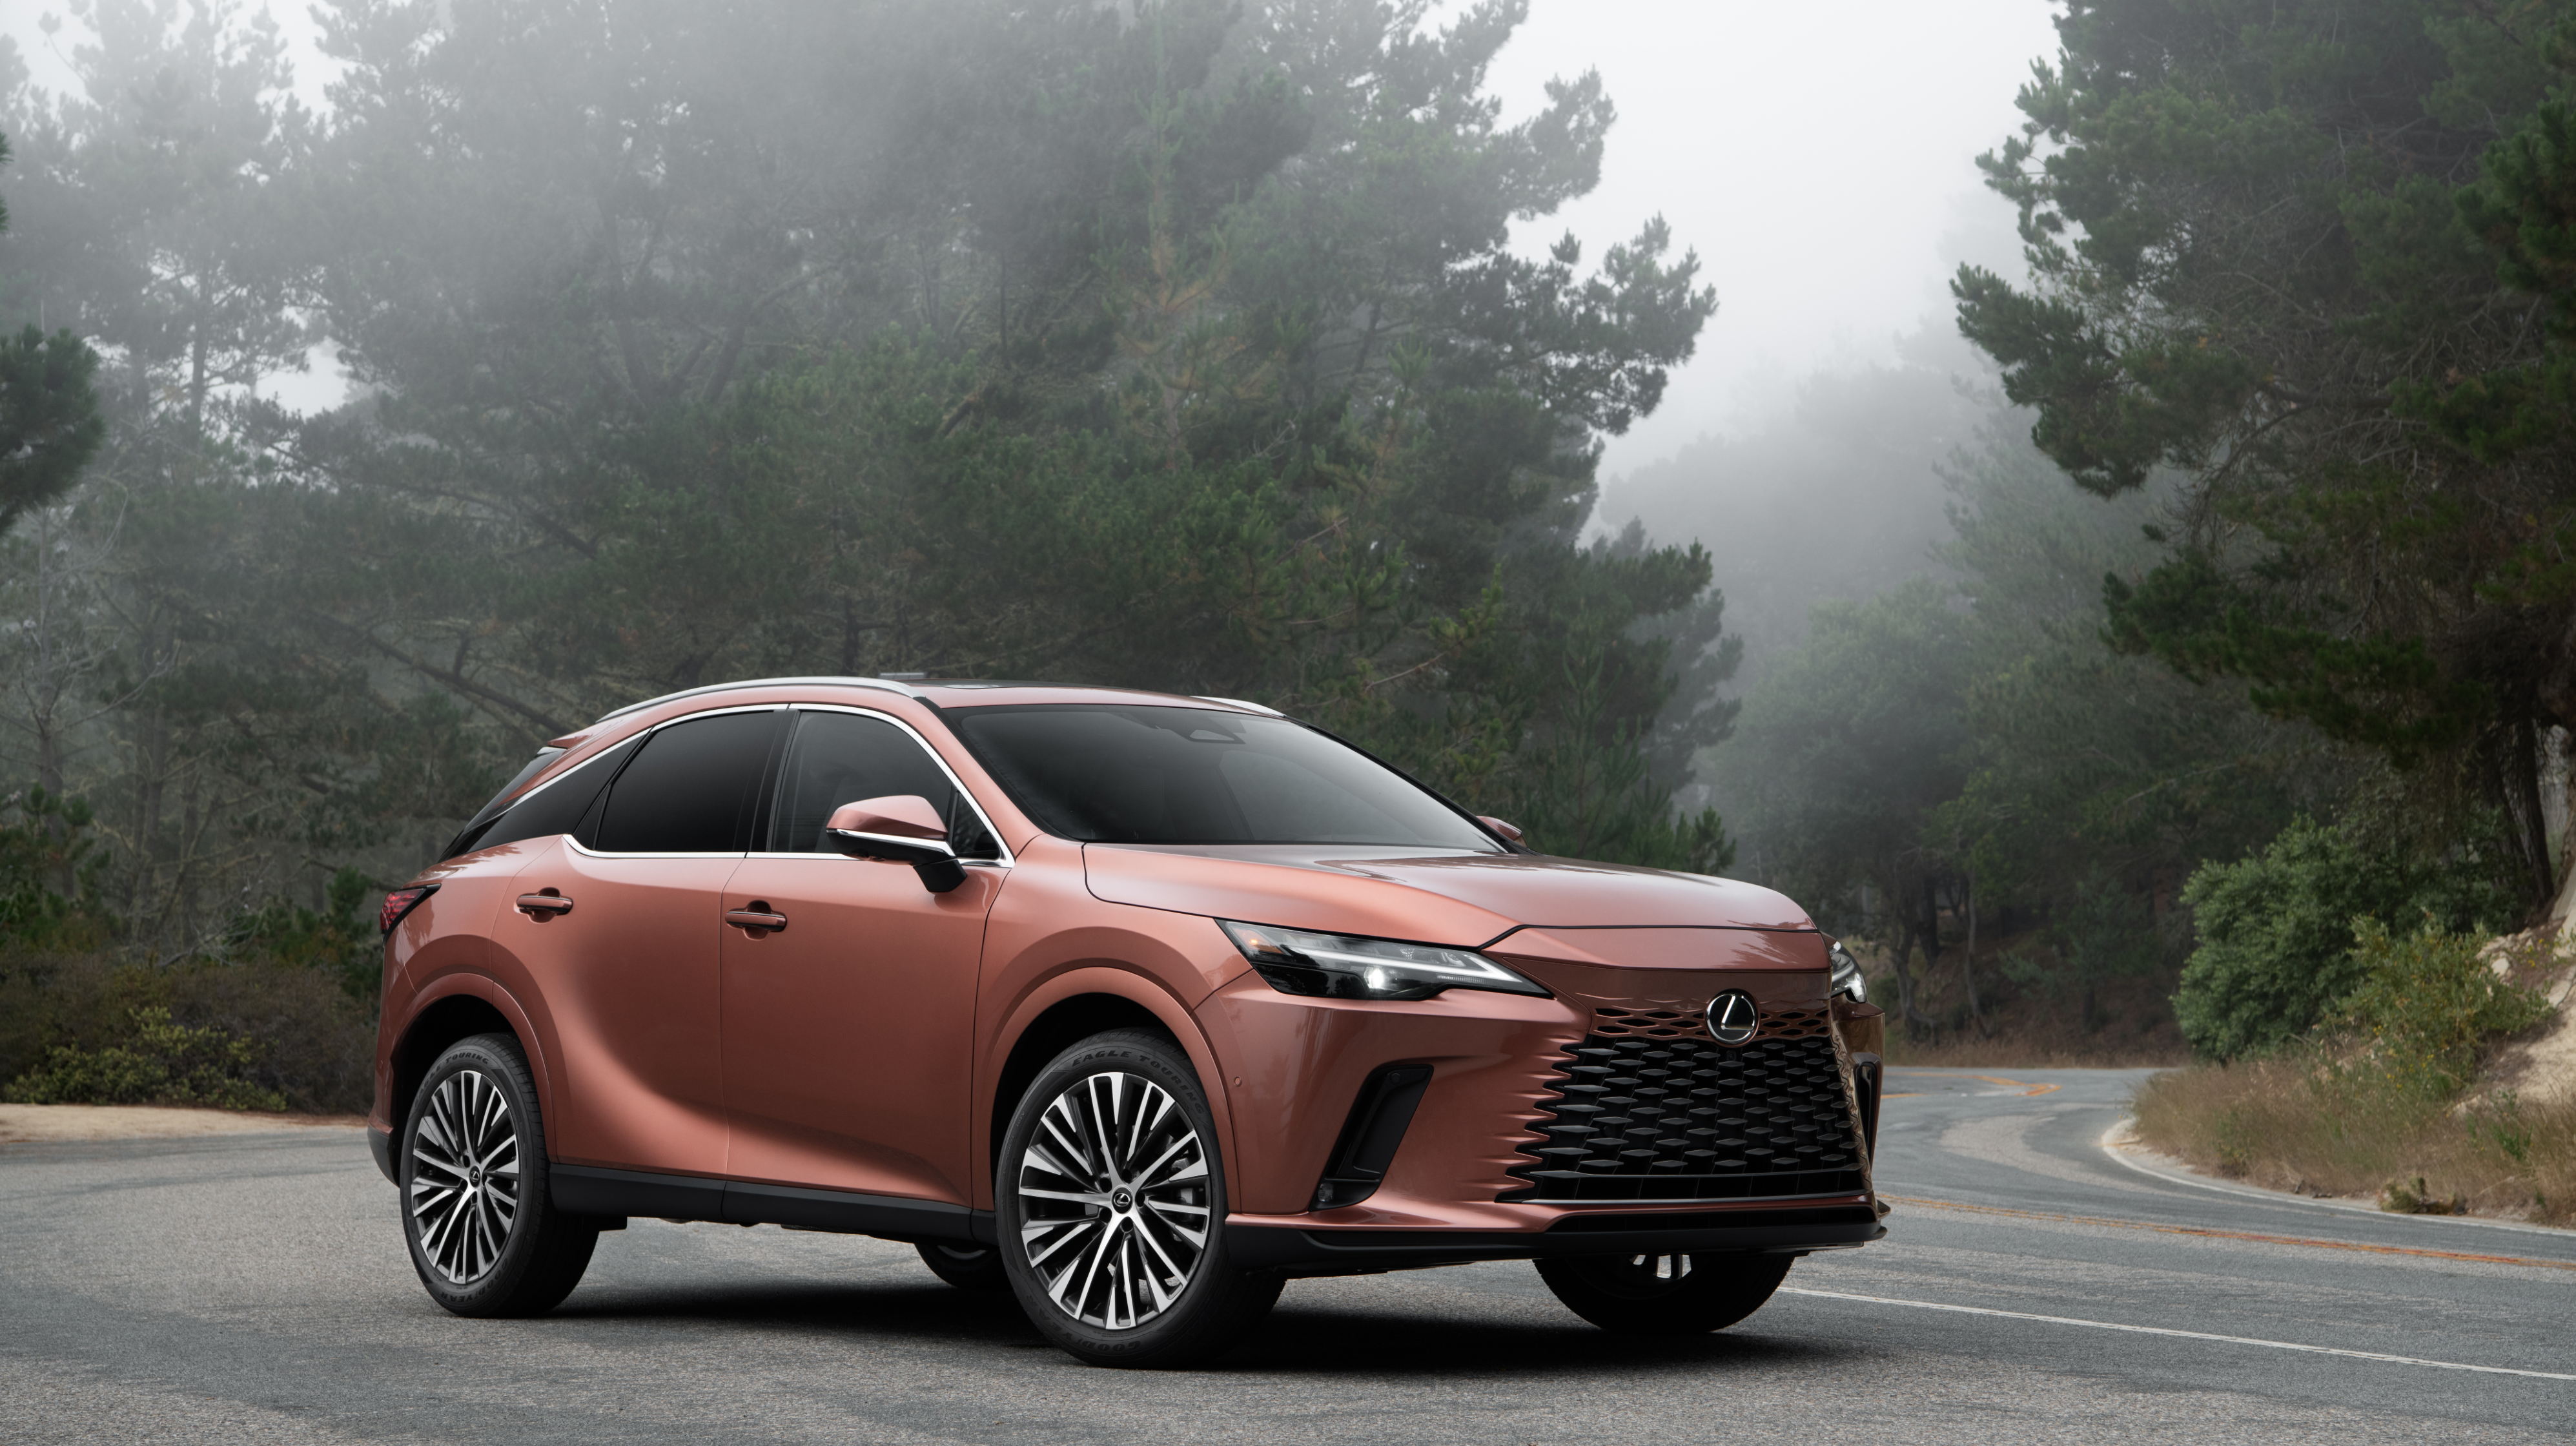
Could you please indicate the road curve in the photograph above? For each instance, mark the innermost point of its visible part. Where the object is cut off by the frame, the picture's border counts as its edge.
(254, 1288)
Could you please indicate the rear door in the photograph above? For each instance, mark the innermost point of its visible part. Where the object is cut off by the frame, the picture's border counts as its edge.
(848, 1031)
(626, 963)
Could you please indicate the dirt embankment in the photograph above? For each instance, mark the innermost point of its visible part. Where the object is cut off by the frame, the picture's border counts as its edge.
(2316, 1124)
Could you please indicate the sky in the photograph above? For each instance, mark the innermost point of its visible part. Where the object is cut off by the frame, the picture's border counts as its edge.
(1819, 157)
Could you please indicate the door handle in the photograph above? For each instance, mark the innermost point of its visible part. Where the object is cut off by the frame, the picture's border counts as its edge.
(544, 906)
(756, 920)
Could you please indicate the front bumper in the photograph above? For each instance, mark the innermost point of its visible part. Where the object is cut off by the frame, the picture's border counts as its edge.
(1762, 1151)
(1776, 1231)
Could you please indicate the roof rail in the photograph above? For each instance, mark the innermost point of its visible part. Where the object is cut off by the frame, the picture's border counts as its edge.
(1239, 703)
(882, 684)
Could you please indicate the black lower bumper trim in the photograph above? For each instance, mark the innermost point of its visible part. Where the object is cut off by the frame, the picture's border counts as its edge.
(1326, 1252)
(380, 1143)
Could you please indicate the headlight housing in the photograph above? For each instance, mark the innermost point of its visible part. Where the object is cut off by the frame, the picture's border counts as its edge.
(1348, 966)
(1847, 981)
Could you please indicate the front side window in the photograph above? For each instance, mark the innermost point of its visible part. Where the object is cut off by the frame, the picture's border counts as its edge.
(839, 758)
(692, 789)
(1120, 773)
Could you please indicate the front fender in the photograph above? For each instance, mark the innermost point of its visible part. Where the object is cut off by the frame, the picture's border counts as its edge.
(1116, 981)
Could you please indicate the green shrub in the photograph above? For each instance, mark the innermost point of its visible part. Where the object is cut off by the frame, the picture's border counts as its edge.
(2426, 1007)
(2276, 931)
(161, 1064)
(317, 1042)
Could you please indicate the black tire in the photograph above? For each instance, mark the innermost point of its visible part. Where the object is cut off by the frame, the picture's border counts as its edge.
(484, 1235)
(1664, 1295)
(1129, 1291)
(967, 1267)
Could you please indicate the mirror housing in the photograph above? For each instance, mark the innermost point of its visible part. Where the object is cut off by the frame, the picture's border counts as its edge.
(1511, 832)
(899, 828)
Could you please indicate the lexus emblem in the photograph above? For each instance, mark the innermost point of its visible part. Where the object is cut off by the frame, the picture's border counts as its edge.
(1732, 1019)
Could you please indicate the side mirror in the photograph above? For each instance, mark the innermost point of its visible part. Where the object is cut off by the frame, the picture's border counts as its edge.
(1511, 832)
(900, 828)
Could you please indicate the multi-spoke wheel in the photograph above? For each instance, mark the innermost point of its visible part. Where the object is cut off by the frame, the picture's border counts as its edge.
(483, 1233)
(1114, 1200)
(465, 1176)
(1112, 1195)
(1664, 1295)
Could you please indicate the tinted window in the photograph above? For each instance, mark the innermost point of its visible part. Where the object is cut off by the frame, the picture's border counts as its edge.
(475, 827)
(556, 808)
(1122, 774)
(839, 758)
(691, 789)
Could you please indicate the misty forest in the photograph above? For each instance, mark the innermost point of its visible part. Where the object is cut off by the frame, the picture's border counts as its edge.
(2184, 595)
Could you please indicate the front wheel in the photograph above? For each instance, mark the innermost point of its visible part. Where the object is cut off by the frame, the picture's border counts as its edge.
(1664, 1295)
(477, 1213)
(1112, 1206)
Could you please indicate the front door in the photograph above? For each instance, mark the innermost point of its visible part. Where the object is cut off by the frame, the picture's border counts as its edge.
(847, 1031)
(627, 967)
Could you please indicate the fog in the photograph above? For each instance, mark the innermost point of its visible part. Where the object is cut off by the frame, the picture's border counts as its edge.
(1739, 122)
(579, 350)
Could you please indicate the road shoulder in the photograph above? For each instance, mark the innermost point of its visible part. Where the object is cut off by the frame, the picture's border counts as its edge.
(2121, 1144)
(50, 1124)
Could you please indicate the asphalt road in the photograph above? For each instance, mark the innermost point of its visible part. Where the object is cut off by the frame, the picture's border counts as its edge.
(254, 1288)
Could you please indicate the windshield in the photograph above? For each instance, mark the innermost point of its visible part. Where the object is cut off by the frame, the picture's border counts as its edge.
(1117, 773)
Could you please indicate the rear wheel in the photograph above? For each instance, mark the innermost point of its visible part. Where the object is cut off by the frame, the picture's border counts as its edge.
(1664, 1295)
(1112, 1203)
(967, 1267)
(477, 1213)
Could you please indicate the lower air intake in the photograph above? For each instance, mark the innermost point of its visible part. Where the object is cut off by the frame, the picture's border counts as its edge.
(1640, 1117)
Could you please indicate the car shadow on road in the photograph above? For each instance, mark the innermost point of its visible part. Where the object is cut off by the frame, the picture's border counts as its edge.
(1297, 1340)
(1405, 1344)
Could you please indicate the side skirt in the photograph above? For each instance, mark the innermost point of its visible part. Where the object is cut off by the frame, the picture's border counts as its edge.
(592, 1190)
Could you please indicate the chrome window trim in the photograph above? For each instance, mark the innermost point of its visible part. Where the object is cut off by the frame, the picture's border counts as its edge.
(1007, 859)
(884, 685)
(577, 846)
(637, 740)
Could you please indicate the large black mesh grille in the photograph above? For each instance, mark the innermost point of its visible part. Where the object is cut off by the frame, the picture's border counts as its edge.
(1645, 1118)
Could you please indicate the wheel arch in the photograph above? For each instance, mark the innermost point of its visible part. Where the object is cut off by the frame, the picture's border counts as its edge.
(460, 1007)
(1068, 1009)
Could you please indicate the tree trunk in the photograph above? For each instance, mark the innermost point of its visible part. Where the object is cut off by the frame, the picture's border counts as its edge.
(1968, 962)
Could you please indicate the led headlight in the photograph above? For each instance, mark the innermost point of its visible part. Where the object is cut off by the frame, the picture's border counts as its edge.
(1345, 966)
(1847, 980)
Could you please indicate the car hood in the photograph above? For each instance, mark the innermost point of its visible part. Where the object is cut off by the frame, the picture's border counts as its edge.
(1462, 899)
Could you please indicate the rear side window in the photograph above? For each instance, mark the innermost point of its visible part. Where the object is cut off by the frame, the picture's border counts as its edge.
(470, 836)
(556, 808)
(692, 788)
(839, 758)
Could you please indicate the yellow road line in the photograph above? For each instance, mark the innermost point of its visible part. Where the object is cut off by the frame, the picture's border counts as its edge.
(2569, 1265)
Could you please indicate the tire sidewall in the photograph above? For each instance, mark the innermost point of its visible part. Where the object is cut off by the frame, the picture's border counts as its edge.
(1208, 1296)
(498, 1059)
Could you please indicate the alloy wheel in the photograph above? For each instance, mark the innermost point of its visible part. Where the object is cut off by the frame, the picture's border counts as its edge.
(1113, 1193)
(465, 1176)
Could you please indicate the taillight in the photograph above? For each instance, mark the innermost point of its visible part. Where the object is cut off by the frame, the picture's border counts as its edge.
(401, 902)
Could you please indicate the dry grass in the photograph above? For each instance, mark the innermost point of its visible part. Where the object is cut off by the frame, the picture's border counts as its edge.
(2297, 1123)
